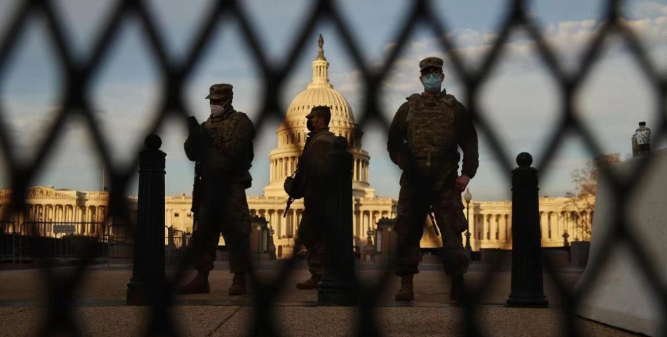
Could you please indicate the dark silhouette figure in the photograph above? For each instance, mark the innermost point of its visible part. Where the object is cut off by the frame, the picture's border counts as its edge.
(310, 182)
(223, 152)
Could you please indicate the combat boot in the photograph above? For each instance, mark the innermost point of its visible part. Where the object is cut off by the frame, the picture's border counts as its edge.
(406, 293)
(310, 283)
(238, 285)
(198, 285)
(458, 292)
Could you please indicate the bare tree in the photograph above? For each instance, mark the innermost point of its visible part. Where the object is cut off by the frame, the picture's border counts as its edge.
(586, 181)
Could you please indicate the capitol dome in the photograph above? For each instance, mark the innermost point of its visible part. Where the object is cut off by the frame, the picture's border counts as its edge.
(292, 133)
(320, 92)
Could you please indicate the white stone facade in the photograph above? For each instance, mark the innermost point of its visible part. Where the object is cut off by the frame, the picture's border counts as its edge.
(490, 221)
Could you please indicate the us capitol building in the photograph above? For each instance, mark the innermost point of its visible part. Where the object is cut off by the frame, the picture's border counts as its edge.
(490, 222)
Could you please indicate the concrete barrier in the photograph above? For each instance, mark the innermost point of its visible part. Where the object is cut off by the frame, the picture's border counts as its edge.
(621, 295)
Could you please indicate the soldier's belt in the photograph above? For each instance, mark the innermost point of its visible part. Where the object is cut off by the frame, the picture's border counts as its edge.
(440, 156)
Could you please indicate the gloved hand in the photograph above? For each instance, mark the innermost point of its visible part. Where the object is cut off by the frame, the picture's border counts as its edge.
(461, 183)
(193, 125)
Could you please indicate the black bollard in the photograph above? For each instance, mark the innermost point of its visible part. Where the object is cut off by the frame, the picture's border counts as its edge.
(527, 288)
(148, 271)
(336, 287)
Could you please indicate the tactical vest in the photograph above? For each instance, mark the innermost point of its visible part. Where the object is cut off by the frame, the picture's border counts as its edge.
(220, 131)
(431, 129)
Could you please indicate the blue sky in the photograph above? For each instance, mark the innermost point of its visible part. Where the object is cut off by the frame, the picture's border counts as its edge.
(520, 99)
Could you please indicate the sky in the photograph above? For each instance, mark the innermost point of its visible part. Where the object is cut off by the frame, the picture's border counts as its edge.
(520, 99)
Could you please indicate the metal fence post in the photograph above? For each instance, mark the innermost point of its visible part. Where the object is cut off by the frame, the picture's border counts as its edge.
(337, 283)
(148, 271)
(527, 287)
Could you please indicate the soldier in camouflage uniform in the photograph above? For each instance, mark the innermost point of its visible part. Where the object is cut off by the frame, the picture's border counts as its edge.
(423, 141)
(310, 183)
(223, 147)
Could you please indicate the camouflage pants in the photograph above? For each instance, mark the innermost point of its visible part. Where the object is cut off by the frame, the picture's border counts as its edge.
(311, 235)
(223, 211)
(437, 188)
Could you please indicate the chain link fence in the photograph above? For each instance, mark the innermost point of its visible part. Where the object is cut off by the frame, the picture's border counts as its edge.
(76, 101)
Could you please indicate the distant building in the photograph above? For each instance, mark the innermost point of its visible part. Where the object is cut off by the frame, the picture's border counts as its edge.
(490, 221)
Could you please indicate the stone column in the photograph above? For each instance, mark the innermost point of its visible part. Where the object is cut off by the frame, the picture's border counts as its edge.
(503, 229)
(362, 174)
(551, 228)
(479, 230)
(356, 223)
(472, 227)
(492, 230)
(355, 174)
(558, 237)
(283, 223)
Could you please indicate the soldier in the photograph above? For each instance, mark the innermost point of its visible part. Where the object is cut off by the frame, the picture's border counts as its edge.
(309, 183)
(222, 147)
(423, 141)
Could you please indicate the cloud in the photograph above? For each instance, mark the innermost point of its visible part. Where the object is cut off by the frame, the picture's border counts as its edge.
(650, 9)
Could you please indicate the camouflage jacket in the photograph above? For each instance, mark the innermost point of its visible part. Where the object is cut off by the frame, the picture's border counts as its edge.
(464, 133)
(224, 146)
(313, 170)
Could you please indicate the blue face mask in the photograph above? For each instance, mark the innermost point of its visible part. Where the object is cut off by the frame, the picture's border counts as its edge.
(432, 82)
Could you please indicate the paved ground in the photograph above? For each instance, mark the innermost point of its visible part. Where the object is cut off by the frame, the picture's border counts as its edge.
(306, 321)
(101, 310)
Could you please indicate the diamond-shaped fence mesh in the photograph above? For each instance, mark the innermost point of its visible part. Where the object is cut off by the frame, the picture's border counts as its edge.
(75, 100)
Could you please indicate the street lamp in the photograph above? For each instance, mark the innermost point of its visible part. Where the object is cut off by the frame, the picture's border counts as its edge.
(259, 241)
(468, 197)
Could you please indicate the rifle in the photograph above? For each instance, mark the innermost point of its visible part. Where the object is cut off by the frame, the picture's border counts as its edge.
(196, 195)
(435, 224)
(195, 132)
(290, 199)
(412, 168)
